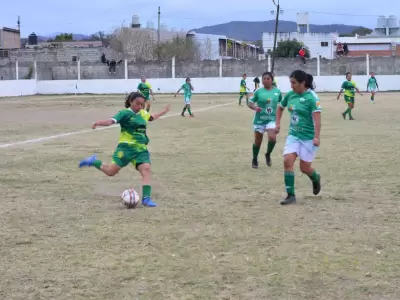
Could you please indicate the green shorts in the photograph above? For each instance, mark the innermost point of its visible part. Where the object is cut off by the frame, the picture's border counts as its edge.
(243, 94)
(147, 98)
(349, 99)
(125, 154)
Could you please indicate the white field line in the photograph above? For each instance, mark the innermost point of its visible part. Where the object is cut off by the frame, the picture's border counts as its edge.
(52, 137)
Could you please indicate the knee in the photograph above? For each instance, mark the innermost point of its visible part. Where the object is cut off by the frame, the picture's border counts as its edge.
(287, 163)
(111, 173)
(272, 138)
(305, 168)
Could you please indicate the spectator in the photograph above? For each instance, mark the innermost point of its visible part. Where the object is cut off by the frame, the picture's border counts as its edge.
(340, 49)
(112, 66)
(302, 54)
(345, 49)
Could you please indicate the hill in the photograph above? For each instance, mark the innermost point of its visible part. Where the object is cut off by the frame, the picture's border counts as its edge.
(252, 31)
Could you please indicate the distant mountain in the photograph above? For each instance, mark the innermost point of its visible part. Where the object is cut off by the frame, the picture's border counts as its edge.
(76, 36)
(252, 31)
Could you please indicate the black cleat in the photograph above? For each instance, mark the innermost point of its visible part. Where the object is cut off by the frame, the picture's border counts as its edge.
(316, 186)
(254, 163)
(268, 159)
(290, 199)
(344, 116)
(352, 119)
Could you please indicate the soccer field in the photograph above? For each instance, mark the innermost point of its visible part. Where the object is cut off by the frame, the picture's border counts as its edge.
(219, 231)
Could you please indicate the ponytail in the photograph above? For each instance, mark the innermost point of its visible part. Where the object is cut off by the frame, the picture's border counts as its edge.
(309, 83)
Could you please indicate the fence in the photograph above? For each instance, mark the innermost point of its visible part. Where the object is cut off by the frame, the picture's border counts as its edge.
(81, 69)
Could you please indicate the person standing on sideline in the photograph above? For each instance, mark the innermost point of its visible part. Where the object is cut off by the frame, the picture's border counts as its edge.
(304, 132)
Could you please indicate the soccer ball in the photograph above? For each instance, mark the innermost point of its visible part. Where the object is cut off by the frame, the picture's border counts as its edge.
(130, 198)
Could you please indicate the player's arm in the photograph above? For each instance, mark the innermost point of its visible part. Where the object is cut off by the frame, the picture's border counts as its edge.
(377, 86)
(252, 103)
(279, 112)
(178, 92)
(340, 93)
(104, 123)
(191, 87)
(160, 114)
(358, 91)
(317, 124)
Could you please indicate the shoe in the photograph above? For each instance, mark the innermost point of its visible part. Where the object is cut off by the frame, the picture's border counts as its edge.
(182, 115)
(191, 116)
(316, 186)
(352, 119)
(268, 159)
(344, 116)
(254, 163)
(87, 162)
(148, 202)
(290, 199)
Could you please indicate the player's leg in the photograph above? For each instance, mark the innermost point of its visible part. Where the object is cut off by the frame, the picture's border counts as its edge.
(373, 95)
(271, 142)
(148, 104)
(247, 98)
(184, 110)
(290, 152)
(351, 107)
(241, 95)
(258, 138)
(188, 102)
(307, 155)
(143, 165)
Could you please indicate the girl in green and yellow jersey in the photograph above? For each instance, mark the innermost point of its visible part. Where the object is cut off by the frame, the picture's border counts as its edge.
(145, 88)
(264, 103)
(243, 90)
(350, 88)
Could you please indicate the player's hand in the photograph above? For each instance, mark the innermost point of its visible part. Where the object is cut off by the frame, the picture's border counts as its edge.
(94, 125)
(168, 108)
(316, 142)
(258, 109)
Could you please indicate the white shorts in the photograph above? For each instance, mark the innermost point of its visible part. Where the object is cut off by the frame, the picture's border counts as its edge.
(263, 128)
(372, 90)
(305, 150)
(187, 100)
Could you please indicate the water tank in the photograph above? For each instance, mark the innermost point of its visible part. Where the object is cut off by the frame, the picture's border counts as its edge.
(392, 22)
(32, 39)
(150, 25)
(135, 21)
(381, 22)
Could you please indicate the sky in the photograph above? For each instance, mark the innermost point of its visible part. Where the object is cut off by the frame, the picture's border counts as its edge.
(45, 17)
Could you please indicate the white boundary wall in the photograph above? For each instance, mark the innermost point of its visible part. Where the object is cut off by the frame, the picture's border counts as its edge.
(168, 85)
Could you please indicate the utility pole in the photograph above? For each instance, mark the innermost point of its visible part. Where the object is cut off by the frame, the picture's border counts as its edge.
(158, 32)
(278, 11)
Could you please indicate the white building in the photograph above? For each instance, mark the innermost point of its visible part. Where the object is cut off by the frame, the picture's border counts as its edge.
(319, 44)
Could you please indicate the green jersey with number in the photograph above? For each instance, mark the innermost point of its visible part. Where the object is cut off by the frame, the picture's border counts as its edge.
(268, 101)
(349, 88)
(187, 90)
(133, 127)
(372, 83)
(144, 88)
(301, 108)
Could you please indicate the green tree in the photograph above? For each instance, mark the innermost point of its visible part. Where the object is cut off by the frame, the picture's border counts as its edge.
(362, 31)
(290, 48)
(181, 47)
(64, 37)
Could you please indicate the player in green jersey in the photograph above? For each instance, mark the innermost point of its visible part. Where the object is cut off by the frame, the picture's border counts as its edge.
(243, 90)
(256, 83)
(304, 131)
(132, 145)
(264, 103)
(145, 88)
(187, 88)
(349, 87)
(372, 86)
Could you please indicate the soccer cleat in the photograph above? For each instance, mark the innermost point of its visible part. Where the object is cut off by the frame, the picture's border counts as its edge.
(352, 119)
(254, 163)
(316, 186)
(344, 116)
(182, 114)
(268, 159)
(87, 162)
(148, 202)
(192, 116)
(290, 199)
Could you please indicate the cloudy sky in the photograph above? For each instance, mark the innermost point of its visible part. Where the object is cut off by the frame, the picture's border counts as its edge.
(87, 16)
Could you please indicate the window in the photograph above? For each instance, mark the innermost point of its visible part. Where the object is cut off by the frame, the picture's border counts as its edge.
(4, 54)
(324, 44)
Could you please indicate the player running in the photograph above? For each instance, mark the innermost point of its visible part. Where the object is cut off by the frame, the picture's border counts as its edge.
(304, 132)
(187, 88)
(372, 86)
(132, 145)
(145, 88)
(349, 87)
(264, 103)
(243, 90)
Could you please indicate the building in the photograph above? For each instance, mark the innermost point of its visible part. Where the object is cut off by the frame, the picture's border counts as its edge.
(383, 41)
(319, 44)
(10, 39)
(213, 46)
(69, 44)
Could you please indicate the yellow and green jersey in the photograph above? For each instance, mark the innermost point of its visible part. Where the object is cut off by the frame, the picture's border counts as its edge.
(133, 127)
(243, 87)
(274, 83)
(268, 101)
(349, 88)
(301, 108)
(144, 88)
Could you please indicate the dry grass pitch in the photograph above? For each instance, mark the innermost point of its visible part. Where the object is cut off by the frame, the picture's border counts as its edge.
(219, 232)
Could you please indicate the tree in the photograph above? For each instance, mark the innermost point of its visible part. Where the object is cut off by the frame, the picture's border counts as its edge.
(181, 48)
(64, 37)
(101, 36)
(290, 48)
(362, 31)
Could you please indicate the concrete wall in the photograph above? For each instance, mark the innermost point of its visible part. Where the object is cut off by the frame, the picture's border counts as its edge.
(58, 65)
(165, 85)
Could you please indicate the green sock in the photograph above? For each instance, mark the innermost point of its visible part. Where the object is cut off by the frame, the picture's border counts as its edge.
(314, 176)
(256, 150)
(372, 98)
(350, 116)
(289, 182)
(270, 147)
(346, 111)
(97, 164)
(240, 100)
(184, 109)
(189, 110)
(247, 101)
(146, 191)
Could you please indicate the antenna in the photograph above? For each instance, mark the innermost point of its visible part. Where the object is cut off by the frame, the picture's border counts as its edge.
(19, 23)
